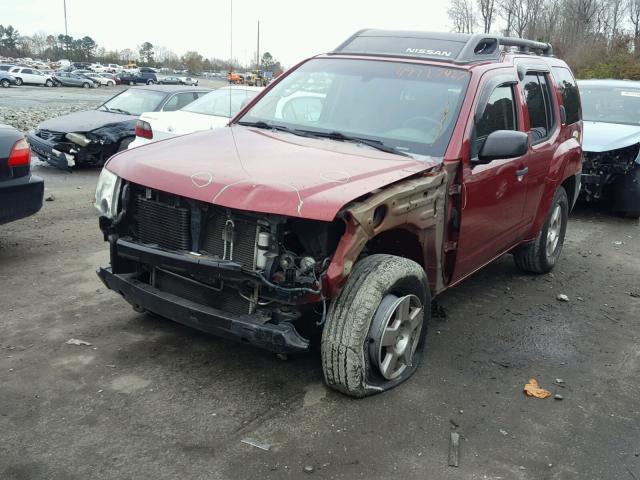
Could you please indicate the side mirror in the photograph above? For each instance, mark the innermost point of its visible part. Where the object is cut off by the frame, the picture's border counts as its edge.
(503, 144)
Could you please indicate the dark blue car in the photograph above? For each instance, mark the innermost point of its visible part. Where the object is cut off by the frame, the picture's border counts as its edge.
(20, 192)
(143, 77)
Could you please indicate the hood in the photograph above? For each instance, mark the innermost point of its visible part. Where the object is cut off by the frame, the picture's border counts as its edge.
(84, 121)
(263, 171)
(602, 136)
(182, 122)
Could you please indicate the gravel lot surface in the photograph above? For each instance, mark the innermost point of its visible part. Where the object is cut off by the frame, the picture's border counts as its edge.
(152, 399)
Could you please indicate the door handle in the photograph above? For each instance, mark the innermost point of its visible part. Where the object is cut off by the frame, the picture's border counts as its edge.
(521, 173)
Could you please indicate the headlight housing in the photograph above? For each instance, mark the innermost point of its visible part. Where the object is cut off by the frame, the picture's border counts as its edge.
(108, 193)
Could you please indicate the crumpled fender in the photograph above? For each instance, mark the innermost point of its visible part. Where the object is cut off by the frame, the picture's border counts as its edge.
(417, 203)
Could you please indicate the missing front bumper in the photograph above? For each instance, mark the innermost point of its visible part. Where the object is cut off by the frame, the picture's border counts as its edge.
(279, 338)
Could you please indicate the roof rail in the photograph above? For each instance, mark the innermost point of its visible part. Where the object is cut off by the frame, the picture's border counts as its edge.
(447, 47)
(525, 46)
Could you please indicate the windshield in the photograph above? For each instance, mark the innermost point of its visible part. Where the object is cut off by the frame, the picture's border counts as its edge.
(221, 103)
(610, 104)
(408, 107)
(135, 101)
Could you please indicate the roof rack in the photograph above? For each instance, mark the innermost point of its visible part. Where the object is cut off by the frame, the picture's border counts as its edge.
(448, 47)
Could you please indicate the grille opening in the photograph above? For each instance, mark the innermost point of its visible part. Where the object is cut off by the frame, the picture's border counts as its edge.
(226, 299)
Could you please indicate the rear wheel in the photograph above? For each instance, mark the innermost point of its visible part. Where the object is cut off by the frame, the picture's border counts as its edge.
(124, 144)
(19, 81)
(5, 83)
(149, 82)
(541, 255)
(374, 335)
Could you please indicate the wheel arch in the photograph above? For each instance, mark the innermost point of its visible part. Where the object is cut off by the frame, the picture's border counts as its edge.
(405, 219)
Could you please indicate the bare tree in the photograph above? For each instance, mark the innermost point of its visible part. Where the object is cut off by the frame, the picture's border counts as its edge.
(463, 16)
(487, 10)
(633, 9)
(616, 9)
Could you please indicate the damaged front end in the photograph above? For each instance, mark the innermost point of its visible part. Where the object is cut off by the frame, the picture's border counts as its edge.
(237, 274)
(263, 279)
(602, 170)
(66, 150)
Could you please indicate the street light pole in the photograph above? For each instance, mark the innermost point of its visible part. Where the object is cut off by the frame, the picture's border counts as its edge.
(66, 33)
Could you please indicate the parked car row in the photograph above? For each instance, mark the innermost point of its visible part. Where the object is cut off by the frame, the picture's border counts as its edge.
(15, 75)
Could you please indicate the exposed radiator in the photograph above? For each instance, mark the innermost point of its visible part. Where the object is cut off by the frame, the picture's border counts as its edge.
(243, 232)
(161, 224)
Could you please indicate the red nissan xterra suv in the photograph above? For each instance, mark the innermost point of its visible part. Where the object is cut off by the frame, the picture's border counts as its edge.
(355, 188)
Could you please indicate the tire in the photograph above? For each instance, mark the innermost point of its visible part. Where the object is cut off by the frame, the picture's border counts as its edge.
(541, 255)
(124, 143)
(86, 85)
(5, 83)
(19, 81)
(132, 83)
(149, 82)
(352, 339)
(48, 83)
(625, 194)
(110, 84)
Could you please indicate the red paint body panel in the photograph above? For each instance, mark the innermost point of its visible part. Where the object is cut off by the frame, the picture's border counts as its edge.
(498, 212)
(264, 171)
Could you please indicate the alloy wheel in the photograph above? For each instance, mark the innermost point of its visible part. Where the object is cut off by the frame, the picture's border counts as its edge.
(397, 325)
(554, 230)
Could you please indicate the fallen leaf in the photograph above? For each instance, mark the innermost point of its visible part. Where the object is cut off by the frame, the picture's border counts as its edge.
(532, 389)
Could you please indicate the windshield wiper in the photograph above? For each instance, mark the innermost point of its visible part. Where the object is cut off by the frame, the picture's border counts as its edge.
(377, 144)
(119, 110)
(269, 126)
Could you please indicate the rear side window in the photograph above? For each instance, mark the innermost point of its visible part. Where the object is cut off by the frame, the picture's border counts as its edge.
(569, 91)
(538, 97)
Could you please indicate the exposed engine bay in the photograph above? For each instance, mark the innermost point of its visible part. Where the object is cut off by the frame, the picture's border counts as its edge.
(267, 263)
(601, 169)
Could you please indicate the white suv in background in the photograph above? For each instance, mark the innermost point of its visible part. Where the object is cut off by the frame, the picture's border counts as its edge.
(31, 76)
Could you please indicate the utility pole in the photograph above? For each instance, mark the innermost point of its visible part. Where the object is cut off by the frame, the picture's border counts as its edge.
(66, 33)
(258, 51)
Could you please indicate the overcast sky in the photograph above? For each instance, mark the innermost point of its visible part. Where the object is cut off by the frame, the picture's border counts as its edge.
(291, 30)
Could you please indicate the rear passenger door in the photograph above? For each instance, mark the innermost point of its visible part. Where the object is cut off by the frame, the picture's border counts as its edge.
(537, 90)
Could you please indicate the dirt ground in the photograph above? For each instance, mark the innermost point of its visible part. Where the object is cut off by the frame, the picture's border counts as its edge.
(152, 399)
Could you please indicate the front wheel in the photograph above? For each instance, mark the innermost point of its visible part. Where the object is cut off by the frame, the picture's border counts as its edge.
(5, 83)
(85, 85)
(110, 84)
(374, 335)
(48, 83)
(541, 255)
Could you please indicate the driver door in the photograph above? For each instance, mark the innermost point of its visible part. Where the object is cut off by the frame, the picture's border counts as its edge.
(494, 194)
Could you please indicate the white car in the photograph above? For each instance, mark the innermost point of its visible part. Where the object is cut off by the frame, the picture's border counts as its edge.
(106, 81)
(26, 75)
(210, 111)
